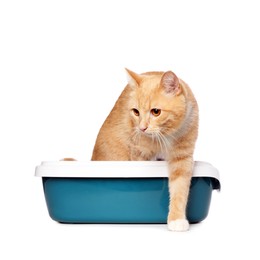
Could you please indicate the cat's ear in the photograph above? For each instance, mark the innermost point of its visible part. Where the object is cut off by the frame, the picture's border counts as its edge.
(170, 83)
(134, 79)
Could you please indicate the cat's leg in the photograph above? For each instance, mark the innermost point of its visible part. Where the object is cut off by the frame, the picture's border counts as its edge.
(180, 172)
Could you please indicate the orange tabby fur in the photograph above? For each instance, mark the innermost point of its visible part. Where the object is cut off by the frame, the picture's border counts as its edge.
(155, 117)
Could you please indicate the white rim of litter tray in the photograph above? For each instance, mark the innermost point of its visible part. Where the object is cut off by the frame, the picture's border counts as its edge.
(117, 169)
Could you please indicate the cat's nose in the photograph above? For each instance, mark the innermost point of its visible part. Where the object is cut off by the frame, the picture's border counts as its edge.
(143, 128)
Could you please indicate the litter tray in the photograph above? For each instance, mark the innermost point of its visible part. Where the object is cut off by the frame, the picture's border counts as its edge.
(120, 191)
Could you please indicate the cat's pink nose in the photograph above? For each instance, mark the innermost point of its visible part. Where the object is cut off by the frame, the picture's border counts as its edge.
(143, 129)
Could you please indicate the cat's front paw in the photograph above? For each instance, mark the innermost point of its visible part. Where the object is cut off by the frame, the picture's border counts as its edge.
(178, 225)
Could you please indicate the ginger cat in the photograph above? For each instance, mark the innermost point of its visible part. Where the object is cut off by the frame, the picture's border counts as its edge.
(155, 118)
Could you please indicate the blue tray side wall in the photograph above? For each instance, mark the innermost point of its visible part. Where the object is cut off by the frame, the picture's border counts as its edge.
(120, 200)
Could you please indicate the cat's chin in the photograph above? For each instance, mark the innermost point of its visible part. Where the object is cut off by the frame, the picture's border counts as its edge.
(178, 225)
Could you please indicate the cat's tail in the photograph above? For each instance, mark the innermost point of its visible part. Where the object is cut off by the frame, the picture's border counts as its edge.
(68, 159)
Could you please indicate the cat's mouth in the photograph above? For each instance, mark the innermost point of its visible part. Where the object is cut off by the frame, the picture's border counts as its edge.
(149, 132)
(154, 134)
(146, 132)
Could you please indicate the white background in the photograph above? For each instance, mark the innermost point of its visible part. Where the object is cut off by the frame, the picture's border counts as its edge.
(61, 70)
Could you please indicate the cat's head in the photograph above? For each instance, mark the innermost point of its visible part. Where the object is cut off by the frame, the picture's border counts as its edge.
(157, 104)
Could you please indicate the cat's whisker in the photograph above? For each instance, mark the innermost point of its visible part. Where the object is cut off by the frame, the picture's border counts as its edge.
(156, 137)
(135, 136)
(160, 140)
(177, 141)
(171, 136)
(153, 137)
(165, 141)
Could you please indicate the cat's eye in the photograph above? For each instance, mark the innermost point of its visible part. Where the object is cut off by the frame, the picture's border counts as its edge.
(156, 112)
(135, 111)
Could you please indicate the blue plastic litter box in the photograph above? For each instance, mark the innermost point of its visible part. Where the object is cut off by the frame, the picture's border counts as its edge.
(120, 191)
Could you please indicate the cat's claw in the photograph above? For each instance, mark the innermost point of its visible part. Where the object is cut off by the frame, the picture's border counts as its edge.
(178, 225)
